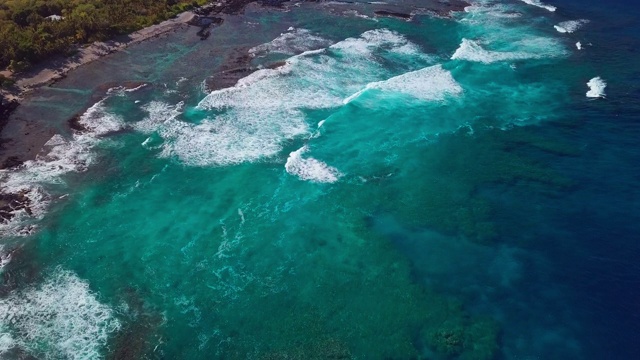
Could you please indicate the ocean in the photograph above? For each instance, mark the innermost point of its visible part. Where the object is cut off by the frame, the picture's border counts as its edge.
(444, 187)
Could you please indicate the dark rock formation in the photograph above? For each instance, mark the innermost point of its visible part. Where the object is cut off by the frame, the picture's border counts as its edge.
(74, 123)
(11, 162)
(10, 203)
(6, 108)
(393, 14)
(236, 66)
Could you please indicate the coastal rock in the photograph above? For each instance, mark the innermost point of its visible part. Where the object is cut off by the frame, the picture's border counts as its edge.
(393, 14)
(236, 66)
(74, 123)
(12, 203)
(6, 108)
(11, 162)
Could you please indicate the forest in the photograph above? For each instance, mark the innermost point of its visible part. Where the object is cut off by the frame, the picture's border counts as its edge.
(34, 30)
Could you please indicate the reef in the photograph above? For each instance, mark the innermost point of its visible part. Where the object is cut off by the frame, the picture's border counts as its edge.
(464, 339)
(457, 166)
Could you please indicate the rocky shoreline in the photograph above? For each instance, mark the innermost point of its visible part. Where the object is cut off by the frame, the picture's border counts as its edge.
(28, 136)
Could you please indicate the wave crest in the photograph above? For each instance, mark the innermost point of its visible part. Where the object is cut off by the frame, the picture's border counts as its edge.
(310, 169)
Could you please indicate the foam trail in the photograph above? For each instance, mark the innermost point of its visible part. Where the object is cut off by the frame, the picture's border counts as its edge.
(61, 319)
(310, 169)
(540, 4)
(596, 88)
(570, 26)
(430, 83)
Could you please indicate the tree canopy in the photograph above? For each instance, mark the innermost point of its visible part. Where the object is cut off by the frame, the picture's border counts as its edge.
(33, 30)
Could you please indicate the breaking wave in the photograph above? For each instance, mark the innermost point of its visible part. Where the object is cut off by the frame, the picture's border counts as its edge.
(532, 48)
(430, 83)
(570, 26)
(310, 169)
(27, 184)
(596, 88)
(294, 41)
(251, 120)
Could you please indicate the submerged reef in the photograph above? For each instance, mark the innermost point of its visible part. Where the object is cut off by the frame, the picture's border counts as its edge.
(464, 339)
(455, 167)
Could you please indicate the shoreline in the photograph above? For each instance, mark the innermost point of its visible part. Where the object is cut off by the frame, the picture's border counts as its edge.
(53, 70)
(28, 135)
(49, 72)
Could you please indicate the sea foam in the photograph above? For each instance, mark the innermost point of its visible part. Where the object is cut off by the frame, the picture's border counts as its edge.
(430, 83)
(60, 319)
(294, 41)
(58, 157)
(309, 168)
(531, 48)
(596, 88)
(540, 4)
(251, 120)
(570, 26)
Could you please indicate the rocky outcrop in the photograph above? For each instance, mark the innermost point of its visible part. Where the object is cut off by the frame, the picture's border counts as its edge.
(6, 108)
(12, 203)
(393, 14)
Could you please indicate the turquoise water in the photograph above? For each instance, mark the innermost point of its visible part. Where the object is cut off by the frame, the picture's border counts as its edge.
(394, 190)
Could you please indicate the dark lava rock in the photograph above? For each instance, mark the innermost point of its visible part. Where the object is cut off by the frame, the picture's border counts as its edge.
(74, 123)
(11, 162)
(10, 203)
(236, 66)
(6, 108)
(393, 14)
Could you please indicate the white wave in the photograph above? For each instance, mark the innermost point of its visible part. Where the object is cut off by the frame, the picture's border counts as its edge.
(355, 95)
(220, 142)
(98, 121)
(570, 26)
(251, 120)
(496, 11)
(292, 42)
(579, 45)
(596, 88)
(532, 48)
(310, 169)
(430, 83)
(540, 4)
(372, 40)
(58, 156)
(60, 319)
(142, 86)
(357, 14)
(5, 259)
(122, 90)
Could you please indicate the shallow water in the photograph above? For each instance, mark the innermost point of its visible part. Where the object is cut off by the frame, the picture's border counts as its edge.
(439, 188)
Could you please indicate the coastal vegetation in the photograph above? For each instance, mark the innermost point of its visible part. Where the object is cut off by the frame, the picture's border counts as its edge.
(34, 30)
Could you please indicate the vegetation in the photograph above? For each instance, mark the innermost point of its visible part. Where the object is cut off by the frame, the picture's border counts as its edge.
(28, 33)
